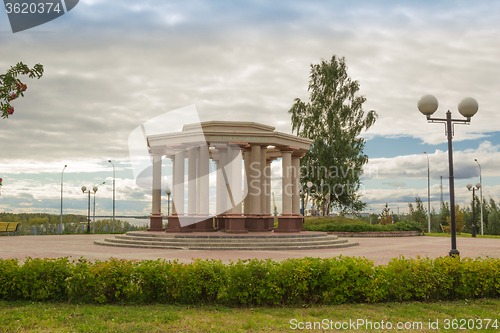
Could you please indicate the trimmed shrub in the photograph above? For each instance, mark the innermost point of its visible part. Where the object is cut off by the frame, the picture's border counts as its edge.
(35, 279)
(249, 282)
(363, 227)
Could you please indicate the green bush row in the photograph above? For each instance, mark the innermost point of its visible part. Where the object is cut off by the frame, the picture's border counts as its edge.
(364, 227)
(249, 282)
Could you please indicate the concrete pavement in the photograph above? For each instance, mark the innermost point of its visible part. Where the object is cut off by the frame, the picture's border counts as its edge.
(380, 250)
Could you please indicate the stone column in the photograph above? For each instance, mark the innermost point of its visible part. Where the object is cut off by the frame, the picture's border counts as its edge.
(234, 222)
(192, 193)
(254, 180)
(222, 195)
(156, 217)
(220, 191)
(268, 185)
(296, 185)
(286, 195)
(203, 169)
(156, 183)
(288, 222)
(254, 221)
(198, 185)
(178, 182)
(263, 180)
(172, 206)
(237, 178)
(247, 202)
(228, 180)
(269, 223)
(203, 221)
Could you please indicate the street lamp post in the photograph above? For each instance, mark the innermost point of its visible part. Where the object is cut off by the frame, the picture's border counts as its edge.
(62, 195)
(274, 204)
(481, 195)
(469, 187)
(428, 192)
(113, 194)
(301, 193)
(309, 185)
(468, 107)
(95, 190)
(169, 192)
(84, 190)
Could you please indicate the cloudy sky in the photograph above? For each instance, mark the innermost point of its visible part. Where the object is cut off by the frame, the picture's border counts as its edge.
(110, 66)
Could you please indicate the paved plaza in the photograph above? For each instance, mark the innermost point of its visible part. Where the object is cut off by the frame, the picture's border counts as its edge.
(380, 250)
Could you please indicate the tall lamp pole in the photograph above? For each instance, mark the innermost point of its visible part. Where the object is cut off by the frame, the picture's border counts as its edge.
(169, 192)
(481, 195)
(468, 107)
(302, 208)
(95, 190)
(113, 194)
(428, 192)
(309, 185)
(84, 190)
(62, 194)
(469, 187)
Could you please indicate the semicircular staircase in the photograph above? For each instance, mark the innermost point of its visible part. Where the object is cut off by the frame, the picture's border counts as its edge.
(222, 241)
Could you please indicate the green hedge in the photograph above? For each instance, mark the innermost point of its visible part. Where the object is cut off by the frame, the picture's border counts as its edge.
(364, 227)
(249, 282)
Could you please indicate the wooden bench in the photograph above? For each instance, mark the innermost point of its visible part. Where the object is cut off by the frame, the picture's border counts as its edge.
(9, 226)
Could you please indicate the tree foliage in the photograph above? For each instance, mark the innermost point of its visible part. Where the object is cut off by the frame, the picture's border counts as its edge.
(494, 223)
(459, 220)
(334, 118)
(444, 214)
(39, 218)
(385, 216)
(11, 87)
(419, 214)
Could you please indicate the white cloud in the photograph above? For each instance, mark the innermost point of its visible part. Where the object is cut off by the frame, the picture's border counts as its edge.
(415, 166)
(110, 66)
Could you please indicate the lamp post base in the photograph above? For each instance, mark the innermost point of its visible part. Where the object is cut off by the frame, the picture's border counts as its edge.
(454, 253)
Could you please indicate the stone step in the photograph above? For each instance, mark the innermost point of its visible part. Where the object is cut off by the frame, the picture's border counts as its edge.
(230, 240)
(240, 243)
(223, 241)
(229, 247)
(223, 235)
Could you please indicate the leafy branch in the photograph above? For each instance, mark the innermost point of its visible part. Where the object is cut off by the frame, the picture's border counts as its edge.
(11, 87)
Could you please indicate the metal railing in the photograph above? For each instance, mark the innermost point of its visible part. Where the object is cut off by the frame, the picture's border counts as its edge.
(100, 227)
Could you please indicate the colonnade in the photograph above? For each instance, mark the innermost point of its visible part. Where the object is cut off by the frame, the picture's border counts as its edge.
(241, 206)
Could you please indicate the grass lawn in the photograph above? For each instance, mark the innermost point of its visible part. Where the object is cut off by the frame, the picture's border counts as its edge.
(460, 235)
(62, 317)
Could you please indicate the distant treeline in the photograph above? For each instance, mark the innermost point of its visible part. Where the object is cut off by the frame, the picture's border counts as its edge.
(40, 218)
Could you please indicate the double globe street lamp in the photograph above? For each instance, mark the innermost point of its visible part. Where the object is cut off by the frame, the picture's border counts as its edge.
(480, 195)
(477, 187)
(168, 192)
(84, 190)
(95, 190)
(468, 107)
